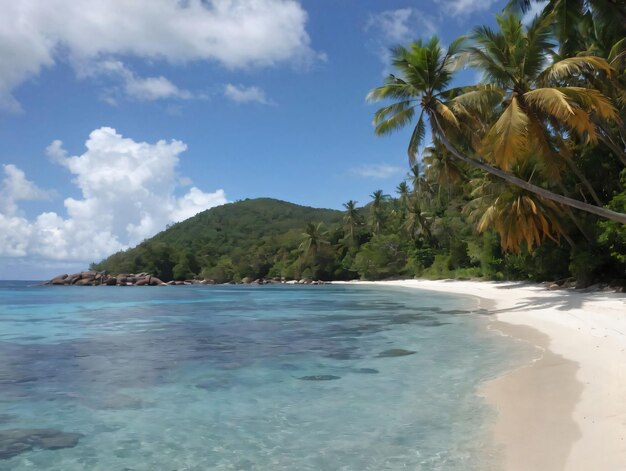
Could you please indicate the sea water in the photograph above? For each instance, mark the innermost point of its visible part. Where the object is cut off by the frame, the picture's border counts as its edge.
(337, 377)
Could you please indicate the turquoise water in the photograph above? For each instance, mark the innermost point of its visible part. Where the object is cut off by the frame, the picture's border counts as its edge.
(245, 378)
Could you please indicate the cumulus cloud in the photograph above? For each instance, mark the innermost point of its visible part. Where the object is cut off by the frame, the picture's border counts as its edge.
(378, 171)
(128, 193)
(241, 94)
(238, 34)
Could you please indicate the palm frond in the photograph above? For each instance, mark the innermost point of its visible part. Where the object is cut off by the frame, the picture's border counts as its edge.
(617, 54)
(573, 66)
(507, 139)
(479, 97)
(592, 101)
(446, 114)
(551, 101)
(396, 121)
(398, 90)
(417, 137)
(389, 111)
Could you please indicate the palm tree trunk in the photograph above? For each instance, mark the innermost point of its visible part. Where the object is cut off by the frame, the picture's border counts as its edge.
(607, 141)
(589, 208)
(566, 155)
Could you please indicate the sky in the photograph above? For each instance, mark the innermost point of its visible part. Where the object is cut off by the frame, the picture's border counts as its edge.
(118, 118)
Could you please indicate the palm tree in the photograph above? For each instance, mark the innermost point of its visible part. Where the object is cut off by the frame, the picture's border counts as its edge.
(581, 25)
(352, 220)
(404, 192)
(538, 111)
(593, 28)
(378, 210)
(417, 223)
(441, 168)
(426, 72)
(423, 189)
(314, 237)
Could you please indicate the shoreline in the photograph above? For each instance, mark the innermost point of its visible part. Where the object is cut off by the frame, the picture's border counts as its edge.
(566, 409)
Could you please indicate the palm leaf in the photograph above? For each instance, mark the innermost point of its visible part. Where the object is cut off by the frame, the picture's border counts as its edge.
(617, 53)
(551, 101)
(573, 66)
(388, 111)
(446, 114)
(479, 97)
(507, 139)
(594, 100)
(395, 122)
(398, 90)
(417, 137)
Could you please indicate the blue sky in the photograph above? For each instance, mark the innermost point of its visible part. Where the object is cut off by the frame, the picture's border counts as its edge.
(212, 101)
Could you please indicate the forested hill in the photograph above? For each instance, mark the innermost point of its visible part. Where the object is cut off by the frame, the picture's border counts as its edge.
(247, 233)
(243, 223)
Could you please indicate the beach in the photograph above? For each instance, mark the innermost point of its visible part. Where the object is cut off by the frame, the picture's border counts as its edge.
(567, 408)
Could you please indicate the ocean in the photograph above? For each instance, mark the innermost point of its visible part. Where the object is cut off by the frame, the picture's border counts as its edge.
(333, 377)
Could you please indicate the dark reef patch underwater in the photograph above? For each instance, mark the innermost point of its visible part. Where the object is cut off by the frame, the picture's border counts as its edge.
(244, 377)
(16, 441)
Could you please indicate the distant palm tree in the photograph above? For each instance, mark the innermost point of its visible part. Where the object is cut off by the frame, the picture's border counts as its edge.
(314, 237)
(441, 168)
(417, 223)
(423, 189)
(378, 210)
(352, 220)
(403, 191)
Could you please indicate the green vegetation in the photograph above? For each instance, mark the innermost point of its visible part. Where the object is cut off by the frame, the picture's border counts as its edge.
(523, 178)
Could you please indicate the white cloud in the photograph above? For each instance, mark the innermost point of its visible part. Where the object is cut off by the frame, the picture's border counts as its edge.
(238, 34)
(135, 87)
(464, 7)
(400, 26)
(242, 94)
(378, 171)
(128, 194)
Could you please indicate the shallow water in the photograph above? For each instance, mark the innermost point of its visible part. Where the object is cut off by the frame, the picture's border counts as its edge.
(245, 378)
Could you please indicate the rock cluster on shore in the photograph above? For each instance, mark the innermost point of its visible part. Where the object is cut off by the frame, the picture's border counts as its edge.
(94, 278)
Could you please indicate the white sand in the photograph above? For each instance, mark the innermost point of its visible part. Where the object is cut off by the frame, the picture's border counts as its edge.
(567, 410)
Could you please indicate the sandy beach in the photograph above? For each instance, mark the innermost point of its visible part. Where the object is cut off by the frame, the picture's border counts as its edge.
(567, 408)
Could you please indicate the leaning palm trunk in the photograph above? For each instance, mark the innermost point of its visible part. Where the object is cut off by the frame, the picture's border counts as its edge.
(589, 208)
